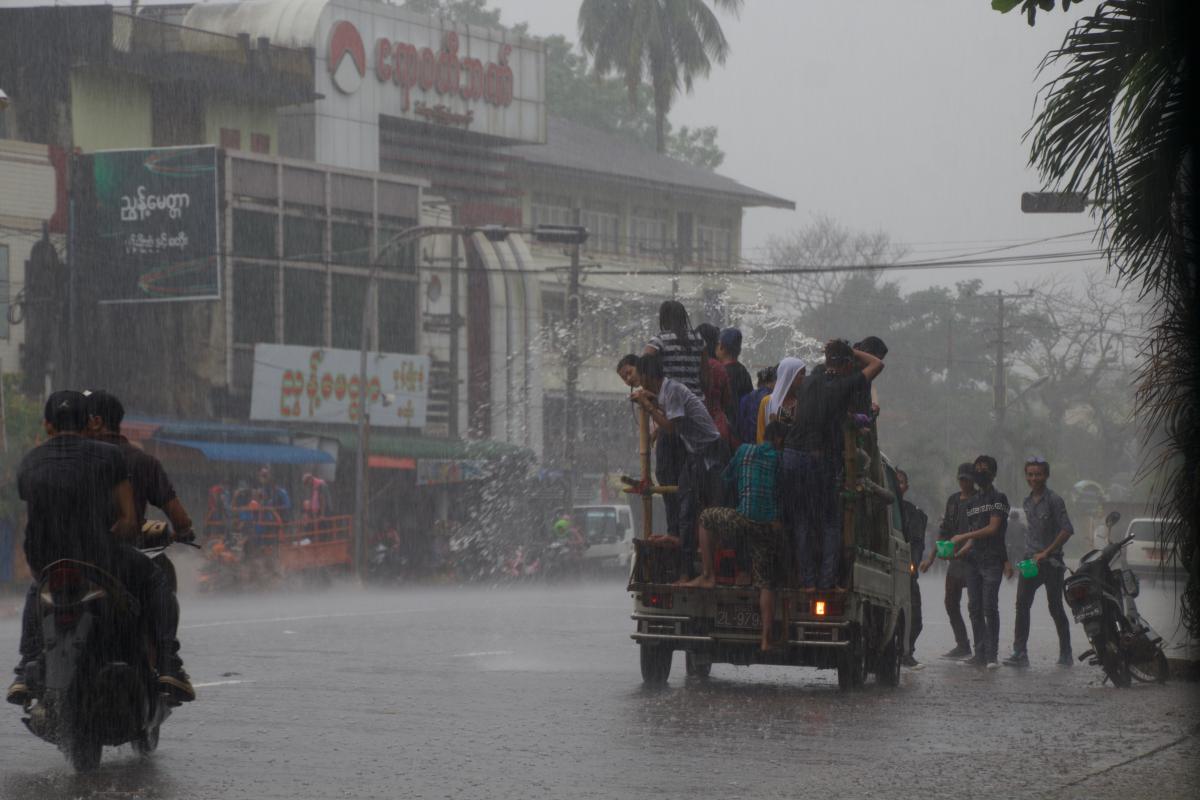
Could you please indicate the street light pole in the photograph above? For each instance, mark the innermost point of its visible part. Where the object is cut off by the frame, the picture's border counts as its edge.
(571, 425)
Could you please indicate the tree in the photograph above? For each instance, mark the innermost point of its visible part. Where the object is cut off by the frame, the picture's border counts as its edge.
(461, 12)
(666, 43)
(1116, 124)
(696, 146)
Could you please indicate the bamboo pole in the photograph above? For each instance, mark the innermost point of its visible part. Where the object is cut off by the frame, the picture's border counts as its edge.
(644, 452)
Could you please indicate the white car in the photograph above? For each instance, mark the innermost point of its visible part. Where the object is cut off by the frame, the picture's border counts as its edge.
(609, 532)
(1145, 554)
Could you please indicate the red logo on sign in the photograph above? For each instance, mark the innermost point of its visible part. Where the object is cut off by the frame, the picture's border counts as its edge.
(347, 57)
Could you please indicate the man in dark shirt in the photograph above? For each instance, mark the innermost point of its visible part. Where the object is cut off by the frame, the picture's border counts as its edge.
(954, 521)
(812, 460)
(987, 519)
(915, 521)
(1048, 529)
(729, 348)
(151, 486)
(79, 504)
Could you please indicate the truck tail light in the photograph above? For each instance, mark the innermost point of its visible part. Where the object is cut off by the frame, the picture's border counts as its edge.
(658, 600)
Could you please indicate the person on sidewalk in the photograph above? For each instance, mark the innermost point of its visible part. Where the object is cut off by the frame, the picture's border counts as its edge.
(1047, 530)
(987, 519)
(954, 521)
(915, 522)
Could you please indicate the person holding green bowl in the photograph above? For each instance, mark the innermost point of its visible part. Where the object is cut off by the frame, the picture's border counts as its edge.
(1047, 529)
(954, 521)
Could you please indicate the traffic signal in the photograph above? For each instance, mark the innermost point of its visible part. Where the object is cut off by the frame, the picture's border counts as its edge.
(1053, 202)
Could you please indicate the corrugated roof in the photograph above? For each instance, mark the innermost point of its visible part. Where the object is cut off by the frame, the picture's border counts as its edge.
(571, 146)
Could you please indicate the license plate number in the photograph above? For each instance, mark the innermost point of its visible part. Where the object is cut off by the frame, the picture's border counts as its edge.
(738, 617)
(1087, 612)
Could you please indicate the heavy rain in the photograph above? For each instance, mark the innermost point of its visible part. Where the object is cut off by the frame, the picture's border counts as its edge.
(598, 399)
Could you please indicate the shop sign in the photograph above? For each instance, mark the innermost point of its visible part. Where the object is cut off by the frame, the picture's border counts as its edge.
(438, 471)
(376, 59)
(148, 222)
(320, 385)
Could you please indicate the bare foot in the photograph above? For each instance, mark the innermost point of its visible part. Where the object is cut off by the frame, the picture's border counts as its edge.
(698, 582)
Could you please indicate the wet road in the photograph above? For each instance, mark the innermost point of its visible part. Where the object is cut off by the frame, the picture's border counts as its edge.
(534, 692)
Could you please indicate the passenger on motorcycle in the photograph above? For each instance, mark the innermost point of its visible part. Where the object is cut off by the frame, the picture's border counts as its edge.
(151, 486)
(79, 504)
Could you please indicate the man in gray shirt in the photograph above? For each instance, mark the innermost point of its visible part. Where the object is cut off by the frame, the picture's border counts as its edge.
(1048, 528)
(679, 412)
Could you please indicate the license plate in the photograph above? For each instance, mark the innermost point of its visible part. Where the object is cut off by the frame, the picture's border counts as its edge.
(738, 617)
(1087, 612)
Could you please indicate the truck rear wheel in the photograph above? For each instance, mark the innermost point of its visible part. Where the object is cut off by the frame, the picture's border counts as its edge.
(887, 665)
(697, 668)
(656, 664)
(851, 667)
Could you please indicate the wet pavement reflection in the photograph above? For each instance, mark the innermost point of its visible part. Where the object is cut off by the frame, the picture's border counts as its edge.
(534, 691)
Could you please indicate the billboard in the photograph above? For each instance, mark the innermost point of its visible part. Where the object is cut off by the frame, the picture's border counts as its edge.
(321, 385)
(149, 224)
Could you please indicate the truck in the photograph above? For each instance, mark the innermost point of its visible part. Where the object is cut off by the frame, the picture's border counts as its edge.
(859, 628)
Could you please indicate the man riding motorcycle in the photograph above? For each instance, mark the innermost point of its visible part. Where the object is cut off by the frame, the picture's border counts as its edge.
(80, 506)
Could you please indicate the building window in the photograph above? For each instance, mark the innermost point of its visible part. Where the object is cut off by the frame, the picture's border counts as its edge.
(604, 230)
(231, 139)
(5, 293)
(400, 257)
(551, 210)
(260, 143)
(304, 307)
(347, 306)
(649, 237)
(714, 245)
(253, 303)
(351, 243)
(254, 234)
(303, 239)
(397, 325)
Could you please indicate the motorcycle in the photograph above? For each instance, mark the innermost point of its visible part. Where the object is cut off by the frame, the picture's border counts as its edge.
(94, 682)
(1102, 599)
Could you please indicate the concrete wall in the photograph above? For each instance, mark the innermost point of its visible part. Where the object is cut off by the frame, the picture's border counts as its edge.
(109, 112)
(26, 201)
(249, 120)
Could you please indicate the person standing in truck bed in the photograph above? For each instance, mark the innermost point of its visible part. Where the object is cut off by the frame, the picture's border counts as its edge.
(754, 470)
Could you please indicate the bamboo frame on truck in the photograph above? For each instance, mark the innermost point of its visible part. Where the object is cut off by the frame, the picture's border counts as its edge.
(645, 486)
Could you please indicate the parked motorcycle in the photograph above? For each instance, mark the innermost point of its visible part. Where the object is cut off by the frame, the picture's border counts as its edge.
(94, 682)
(1102, 599)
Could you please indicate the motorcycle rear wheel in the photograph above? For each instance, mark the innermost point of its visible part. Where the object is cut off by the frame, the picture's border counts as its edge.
(1113, 658)
(147, 742)
(84, 752)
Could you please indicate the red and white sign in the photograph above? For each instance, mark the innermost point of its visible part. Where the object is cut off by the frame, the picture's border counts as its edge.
(376, 61)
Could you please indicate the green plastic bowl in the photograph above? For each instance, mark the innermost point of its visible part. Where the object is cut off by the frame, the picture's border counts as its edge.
(1028, 568)
(945, 548)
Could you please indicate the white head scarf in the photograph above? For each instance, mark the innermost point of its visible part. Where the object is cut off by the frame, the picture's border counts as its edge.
(789, 368)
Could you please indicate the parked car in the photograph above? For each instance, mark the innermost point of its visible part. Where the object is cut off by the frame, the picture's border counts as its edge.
(1145, 554)
(609, 532)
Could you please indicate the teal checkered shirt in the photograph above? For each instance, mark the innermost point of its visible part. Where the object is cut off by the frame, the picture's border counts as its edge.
(755, 469)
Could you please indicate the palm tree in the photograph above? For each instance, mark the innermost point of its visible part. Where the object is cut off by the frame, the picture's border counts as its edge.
(666, 43)
(1118, 124)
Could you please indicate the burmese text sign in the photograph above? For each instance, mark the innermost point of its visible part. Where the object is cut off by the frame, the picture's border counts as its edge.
(322, 385)
(149, 224)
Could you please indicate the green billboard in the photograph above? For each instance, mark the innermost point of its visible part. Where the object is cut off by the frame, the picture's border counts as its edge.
(149, 227)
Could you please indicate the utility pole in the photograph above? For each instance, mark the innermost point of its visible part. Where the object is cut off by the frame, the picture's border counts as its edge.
(452, 419)
(999, 388)
(571, 417)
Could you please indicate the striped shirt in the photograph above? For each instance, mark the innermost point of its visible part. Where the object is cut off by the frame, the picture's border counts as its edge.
(679, 363)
